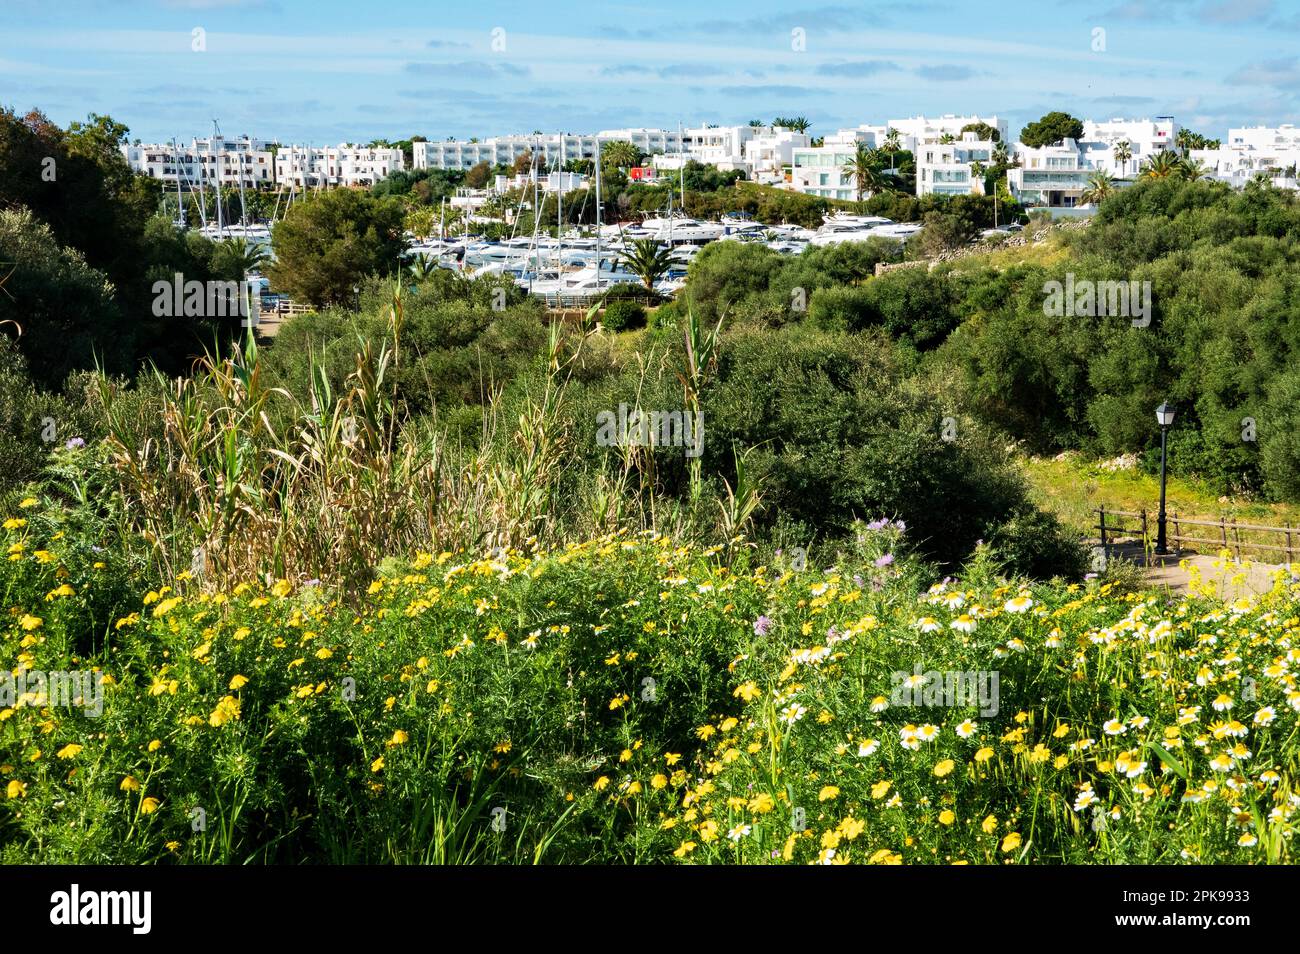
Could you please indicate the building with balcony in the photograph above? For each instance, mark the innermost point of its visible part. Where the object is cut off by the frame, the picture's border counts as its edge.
(949, 168)
(209, 161)
(1273, 151)
(1052, 176)
(311, 167)
(1145, 137)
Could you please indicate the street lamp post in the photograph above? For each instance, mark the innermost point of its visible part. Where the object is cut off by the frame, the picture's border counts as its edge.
(1165, 417)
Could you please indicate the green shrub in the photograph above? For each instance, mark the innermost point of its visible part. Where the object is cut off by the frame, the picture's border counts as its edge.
(1033, 543)
(622, 315)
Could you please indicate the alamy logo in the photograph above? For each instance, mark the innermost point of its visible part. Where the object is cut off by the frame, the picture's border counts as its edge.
(134, 908)
(950, 689)
(78, 688)
(651, 429)
(1089, 299)
(194, 299)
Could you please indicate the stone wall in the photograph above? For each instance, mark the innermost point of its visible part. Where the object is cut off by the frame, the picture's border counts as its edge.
(1017, 240)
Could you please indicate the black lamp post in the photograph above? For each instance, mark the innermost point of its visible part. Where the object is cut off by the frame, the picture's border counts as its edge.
(1165, 416)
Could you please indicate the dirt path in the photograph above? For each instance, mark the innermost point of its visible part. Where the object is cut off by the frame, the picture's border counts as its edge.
(1172, 571)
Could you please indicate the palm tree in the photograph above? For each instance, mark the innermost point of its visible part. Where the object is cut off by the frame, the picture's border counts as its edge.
(1163, 165)
(1100, 185)
(1123, 153)
(1193, 169)
(756, 124)
(864, 170)
(947, 138)
(620, 154)
(247, 256)
(977, 173)
(1000, 153)
(892, 145)
(648, 260)
(798, 124)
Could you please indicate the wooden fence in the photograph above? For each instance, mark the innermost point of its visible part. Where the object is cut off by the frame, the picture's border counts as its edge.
(1216, 535)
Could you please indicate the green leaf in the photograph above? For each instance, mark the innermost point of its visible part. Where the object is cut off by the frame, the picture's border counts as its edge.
(1169, 760)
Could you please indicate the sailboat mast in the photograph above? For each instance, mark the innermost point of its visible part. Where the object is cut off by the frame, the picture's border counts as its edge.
(180, 202)
(203, 196)
(598, 213)
(559, 210)
(243, 209)
(216, 131)
(681, 163)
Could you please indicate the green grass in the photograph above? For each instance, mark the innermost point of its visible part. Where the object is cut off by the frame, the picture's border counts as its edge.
(1073, 489)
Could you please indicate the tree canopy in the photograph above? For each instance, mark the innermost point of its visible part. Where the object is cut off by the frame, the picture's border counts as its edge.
(1052, 129)
(326, 245)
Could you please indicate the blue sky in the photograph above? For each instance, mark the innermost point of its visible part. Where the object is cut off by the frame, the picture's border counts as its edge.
(328, 70)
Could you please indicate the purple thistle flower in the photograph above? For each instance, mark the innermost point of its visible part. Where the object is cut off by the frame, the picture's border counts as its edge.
(762, 625)
(885, 559)
(75, 443)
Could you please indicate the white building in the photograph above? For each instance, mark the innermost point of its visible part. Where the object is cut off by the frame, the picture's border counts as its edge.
(1249, 151)
(557, 149)
(770, 152)
(948, 168)
(759, 152)
(1145, 137)
(921, 130)
(213, 159)
(1054, 176)
(306, 167)
(819, 170)
(561, 182)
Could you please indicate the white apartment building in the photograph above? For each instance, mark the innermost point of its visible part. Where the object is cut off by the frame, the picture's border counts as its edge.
(1054, 176)
(770, 152)
(947, 168)
(557, 149)
(820, 171)
(1248, 151)
(759, 152)
(306, 167)
(1145, 137)
(211, 160)
(920, 130)
(720, 146)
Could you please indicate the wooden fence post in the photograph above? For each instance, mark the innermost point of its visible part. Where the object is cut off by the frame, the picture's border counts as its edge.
(1178, 544)
(1105, 554)
(1223, 529)
(1288, 543)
